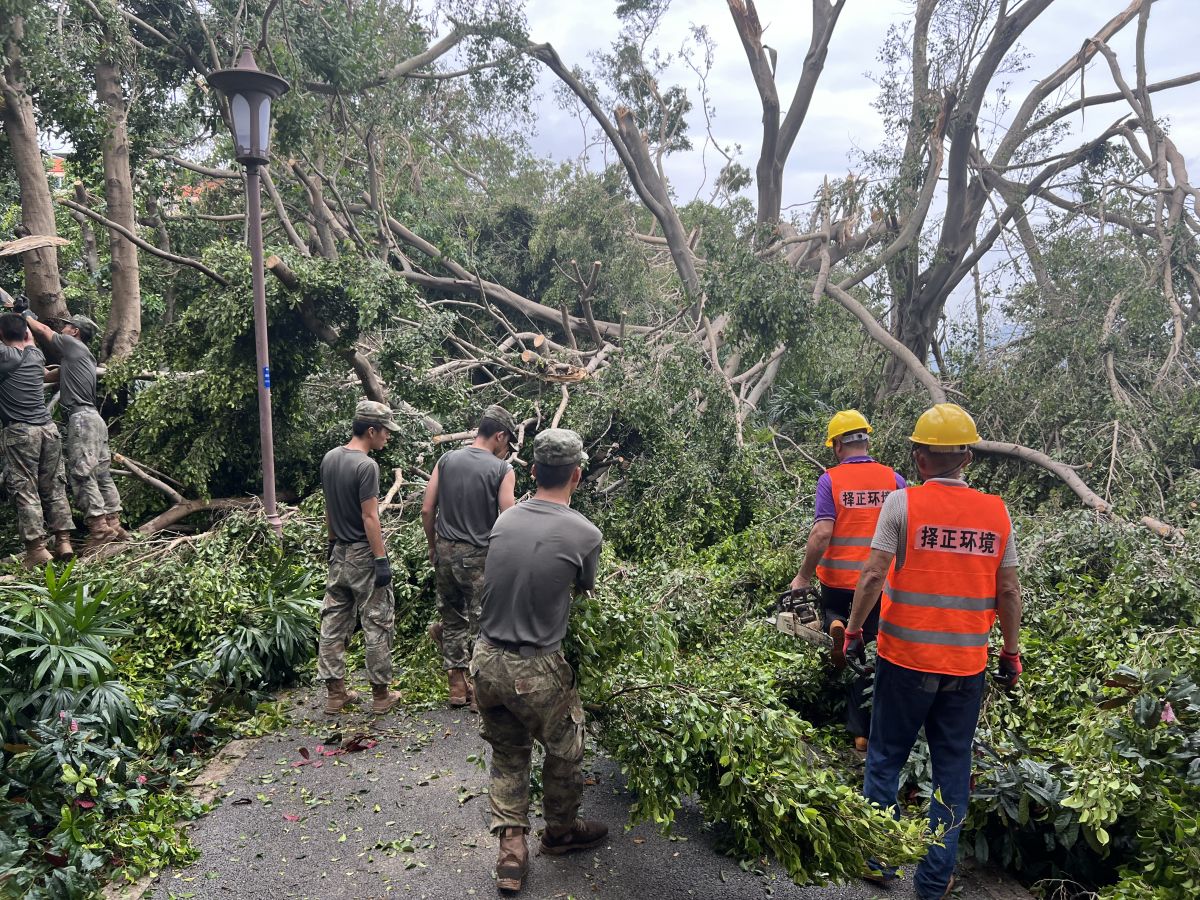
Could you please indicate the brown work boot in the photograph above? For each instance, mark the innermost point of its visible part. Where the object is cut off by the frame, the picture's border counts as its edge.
(583, 835)
(458, 686)
(36, 555)
(99, 534)
(513, 861)
(383, 699)
(63, 550)
(435, 635)
(837, 653)
(114, 525)
(337, 697)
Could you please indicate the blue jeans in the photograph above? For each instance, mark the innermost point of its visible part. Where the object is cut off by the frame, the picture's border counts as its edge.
(948, 708)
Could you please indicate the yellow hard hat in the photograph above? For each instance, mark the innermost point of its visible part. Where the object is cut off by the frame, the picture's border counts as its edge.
(945, 425)
(844, 422)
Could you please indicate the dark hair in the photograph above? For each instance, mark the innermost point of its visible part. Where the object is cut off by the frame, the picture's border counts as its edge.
(488, 427)
(553, 476)
(361, 427)
(13, 327)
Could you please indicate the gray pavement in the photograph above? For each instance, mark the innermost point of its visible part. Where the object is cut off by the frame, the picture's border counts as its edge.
(408, 818)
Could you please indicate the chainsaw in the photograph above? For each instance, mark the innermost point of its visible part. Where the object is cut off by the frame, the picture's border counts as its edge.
(798, 615)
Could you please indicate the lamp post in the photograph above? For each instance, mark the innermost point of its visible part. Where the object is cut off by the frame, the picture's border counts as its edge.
(250, 92)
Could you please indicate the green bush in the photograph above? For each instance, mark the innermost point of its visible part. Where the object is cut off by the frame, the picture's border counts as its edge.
(112, 698)
(54, 645)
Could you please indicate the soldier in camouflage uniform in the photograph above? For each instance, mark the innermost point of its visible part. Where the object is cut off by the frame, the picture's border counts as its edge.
(32, 448)
(88, 456)
(541, 552)
(358, 589)
(468, 489)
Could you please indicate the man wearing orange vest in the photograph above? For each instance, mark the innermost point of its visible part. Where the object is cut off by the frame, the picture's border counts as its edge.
(944, 556)
(849, 497)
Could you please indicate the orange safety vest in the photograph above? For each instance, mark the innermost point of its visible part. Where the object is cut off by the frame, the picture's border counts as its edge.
(939, 607)
(859, 490)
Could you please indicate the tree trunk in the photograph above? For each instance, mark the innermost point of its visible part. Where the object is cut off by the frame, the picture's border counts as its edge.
(42, 284)
(914, 329)
(91, 253)
(124, 325)
(164, 243)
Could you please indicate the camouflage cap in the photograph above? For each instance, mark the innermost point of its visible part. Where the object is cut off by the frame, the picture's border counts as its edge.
(87, 328)
(558, 447)
(502, 417)
(375, 414)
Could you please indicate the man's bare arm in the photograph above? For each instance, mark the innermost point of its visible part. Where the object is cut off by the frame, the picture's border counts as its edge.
(818, 543)
(507, 496)
(870, 584)
(429, 511)
(370, 516)
(1008, 606)
(42, 332)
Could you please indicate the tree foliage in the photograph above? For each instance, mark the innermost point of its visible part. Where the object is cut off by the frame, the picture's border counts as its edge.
(425, 254)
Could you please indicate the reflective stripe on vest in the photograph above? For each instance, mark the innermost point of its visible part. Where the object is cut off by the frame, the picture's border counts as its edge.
(859, 490)
(938, 609)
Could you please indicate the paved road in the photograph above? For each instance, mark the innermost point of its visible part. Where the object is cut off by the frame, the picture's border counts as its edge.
(408, 818)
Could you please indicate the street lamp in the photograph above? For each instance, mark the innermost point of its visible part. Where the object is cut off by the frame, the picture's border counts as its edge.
(250, 92)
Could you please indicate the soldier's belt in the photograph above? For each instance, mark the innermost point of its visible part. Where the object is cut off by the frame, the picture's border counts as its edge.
(524, 650)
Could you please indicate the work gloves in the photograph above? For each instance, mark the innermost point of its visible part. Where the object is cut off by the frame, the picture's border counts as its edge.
(1009, 670)
(854, 647)
(21, 307)
(383, 572)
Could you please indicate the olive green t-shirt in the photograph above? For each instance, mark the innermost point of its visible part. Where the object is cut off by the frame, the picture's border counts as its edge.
(23, 386)
(539, 553)
(468, 494)
(348, 477)
(77, 375)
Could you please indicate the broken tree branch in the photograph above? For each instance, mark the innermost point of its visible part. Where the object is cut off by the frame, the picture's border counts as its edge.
(145, 245)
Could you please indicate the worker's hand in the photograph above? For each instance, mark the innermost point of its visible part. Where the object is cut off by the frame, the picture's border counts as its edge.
(383, 572)
(20, 304)
(854, 647)
(432, 555)
(329, 550)
(800, 583)
(1009, 670)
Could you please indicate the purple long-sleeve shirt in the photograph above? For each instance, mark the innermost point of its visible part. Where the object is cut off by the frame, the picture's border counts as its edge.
(825, 506)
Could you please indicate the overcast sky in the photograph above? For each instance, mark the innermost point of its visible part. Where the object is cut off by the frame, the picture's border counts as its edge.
(841, 118)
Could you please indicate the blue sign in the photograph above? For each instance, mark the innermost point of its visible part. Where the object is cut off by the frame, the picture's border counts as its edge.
(267, 377)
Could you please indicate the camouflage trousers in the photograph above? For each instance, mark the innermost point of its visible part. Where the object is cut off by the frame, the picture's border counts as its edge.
(88, 462)
(351, 599)
(458, 575)
(521, 700)
(36, 480)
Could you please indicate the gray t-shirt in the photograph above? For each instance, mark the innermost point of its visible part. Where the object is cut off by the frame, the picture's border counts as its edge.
(348, 477)
(892, 527)
(468, 487)
(23, 386)
(77, 376)
(539, 552)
